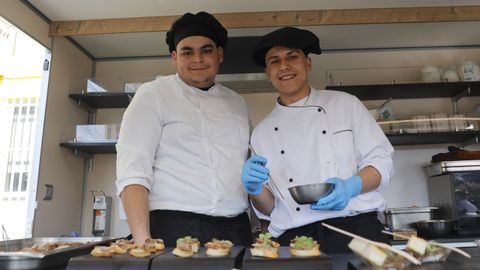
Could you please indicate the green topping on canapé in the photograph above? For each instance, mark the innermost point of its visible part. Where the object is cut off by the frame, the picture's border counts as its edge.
(303, 242)
(264, 238)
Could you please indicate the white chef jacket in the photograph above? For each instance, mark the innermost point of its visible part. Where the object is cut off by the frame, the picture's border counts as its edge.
(186, 146)
(329, 134)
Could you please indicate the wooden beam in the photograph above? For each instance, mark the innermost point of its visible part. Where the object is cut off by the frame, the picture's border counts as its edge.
(275, 19)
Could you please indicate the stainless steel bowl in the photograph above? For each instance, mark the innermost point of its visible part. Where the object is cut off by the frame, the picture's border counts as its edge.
(307, 194)
(436, 228)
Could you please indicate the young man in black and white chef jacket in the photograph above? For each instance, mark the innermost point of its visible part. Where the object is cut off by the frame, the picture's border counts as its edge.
(315, 136)
(182, 144)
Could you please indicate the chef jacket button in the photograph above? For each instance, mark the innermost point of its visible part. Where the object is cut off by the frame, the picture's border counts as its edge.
(298, 209)
(282, 152)
(276, 128)
(324, 132)
(319, 109)
(290, 180)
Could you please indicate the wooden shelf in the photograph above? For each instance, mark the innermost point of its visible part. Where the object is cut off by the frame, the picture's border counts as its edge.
(104, 100)
(92, 148)
(409, 90)
(432, 138)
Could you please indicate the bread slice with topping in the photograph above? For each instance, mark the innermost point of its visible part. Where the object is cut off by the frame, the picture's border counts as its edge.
(304, 247)
(186, 246)
(218, 248)
(264, 246)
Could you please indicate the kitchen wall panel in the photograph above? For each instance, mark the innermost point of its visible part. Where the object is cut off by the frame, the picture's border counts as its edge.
(58, 166)
(349, 68)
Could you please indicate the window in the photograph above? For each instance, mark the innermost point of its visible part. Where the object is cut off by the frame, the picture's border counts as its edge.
(23, 91)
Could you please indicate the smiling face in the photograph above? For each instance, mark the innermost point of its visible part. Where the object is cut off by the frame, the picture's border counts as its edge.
(197, 60)
(288, 70)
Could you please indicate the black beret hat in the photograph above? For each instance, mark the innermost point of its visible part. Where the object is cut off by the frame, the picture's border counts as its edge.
(200, 24)
(289, 37)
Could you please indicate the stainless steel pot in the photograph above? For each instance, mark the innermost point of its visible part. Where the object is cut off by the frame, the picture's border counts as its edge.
(404, 218)
(436, 228)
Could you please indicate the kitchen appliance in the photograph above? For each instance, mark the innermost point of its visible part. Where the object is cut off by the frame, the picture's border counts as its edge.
(454, 187)
(405, 218)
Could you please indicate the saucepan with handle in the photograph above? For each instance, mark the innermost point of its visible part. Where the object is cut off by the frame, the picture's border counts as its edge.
(436, 228)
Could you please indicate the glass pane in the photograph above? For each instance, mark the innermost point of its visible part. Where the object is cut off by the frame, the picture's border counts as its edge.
(16, 177)
(7, 182)
(24, 181)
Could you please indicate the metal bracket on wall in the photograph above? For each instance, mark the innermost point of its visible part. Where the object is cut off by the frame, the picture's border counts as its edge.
(81, 153)
(459, 96)
(84, 105)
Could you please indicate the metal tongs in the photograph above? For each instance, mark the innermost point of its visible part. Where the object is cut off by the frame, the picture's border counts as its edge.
(270, 182)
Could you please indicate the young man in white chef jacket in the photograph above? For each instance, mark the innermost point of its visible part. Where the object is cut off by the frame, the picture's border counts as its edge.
(182, 144)
(315, 136)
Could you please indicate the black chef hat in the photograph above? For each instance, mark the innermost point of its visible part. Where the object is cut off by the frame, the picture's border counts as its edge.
(200, 24)
(289, 37)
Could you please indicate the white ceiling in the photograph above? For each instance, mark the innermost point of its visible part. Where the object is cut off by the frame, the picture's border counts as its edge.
(59, 10)
(332, 38)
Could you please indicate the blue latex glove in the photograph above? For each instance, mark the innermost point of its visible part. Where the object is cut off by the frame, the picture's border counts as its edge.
(254, 173)
(341, 194)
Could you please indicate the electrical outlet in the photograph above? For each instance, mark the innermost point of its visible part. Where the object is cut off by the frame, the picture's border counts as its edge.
(48, 192)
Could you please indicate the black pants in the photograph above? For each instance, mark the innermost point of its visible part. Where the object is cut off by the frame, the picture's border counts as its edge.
(170, 225)
(366, 225)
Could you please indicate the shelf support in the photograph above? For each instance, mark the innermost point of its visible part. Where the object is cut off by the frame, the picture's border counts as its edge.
(459, 96)
(85, 106)
(89, 163)
(80, 153)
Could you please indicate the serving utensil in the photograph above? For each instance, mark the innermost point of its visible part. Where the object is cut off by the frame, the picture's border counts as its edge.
(431, 243)
(382, 245)
(270, 180)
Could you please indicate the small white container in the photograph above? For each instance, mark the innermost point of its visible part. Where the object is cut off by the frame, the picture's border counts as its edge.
(132, 87)
(439, 122)
(422, 123)
(96, 133)
(430, 74)
(457, 122)
(450, 75)
(469, 71)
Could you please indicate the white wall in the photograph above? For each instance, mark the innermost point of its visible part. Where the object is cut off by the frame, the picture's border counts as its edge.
(408, 186)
